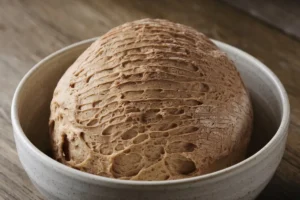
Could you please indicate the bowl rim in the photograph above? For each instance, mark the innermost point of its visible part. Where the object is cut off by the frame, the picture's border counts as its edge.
(86, 176)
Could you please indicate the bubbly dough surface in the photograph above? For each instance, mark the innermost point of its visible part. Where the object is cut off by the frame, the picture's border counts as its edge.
(151, 100)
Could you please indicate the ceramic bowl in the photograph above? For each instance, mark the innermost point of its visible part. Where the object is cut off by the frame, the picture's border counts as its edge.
(245, 180)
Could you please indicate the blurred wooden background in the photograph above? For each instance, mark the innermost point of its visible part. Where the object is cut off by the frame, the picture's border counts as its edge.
(32, 29)
(283, 15)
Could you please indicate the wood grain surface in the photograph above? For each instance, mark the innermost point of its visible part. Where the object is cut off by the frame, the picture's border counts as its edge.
(284, 15)
(32, 29)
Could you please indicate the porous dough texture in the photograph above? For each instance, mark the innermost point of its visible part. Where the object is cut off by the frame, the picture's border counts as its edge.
(151, 100)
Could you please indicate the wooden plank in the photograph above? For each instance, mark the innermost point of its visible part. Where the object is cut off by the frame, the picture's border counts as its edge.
(284, 15)
(32, 29)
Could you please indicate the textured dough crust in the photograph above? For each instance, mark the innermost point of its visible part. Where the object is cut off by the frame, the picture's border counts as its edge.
(151, 100)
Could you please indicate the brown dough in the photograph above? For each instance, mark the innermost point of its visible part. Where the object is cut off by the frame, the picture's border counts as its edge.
(151, 100)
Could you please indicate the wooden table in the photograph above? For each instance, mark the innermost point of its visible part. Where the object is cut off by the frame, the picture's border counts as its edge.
(32, 29)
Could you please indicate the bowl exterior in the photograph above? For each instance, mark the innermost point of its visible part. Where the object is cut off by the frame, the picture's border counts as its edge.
(55, 181)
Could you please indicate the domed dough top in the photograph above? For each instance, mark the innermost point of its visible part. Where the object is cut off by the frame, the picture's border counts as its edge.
(151, 100)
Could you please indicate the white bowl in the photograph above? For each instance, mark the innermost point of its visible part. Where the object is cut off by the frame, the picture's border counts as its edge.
(245, 180)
